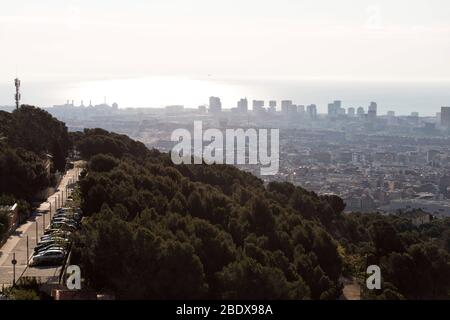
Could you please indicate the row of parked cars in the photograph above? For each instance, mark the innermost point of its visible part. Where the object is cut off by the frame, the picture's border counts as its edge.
(55, 243)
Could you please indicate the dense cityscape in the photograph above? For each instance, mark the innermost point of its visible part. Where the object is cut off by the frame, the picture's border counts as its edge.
(374, 162)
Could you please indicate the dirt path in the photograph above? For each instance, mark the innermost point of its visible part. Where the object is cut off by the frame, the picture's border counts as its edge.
(352, 289)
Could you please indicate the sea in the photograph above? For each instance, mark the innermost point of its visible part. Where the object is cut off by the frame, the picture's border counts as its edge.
(403, 97)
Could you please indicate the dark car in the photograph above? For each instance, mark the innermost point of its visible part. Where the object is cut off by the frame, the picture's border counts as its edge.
(52, 241)
(64, 226)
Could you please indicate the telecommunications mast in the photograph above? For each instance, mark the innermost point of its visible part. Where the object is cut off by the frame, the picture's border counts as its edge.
(17, 95)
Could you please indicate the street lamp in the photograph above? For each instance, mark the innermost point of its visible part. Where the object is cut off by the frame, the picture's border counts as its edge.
(14, 262)
(50, 207)
(37, 236)
(28, 254)
(44, 212)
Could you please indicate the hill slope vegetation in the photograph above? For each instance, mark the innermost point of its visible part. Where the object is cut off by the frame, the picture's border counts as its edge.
(159, 231)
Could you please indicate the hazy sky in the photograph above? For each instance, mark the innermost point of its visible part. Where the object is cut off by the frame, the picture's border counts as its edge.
(103, 39)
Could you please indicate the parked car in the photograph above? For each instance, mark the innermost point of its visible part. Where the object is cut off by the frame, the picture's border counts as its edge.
(66, 215)
(67, 212)
(74, 216)
(55, 231)
(49, 257)
(65, 219)
(52, 241)
(64, 226)
(56, 235)
(50, 247)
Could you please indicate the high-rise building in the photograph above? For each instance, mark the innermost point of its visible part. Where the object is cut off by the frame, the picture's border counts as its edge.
(285, 106)
(215, 105)
(334, 108)
(272, 106)
(258, 105)
(360, 111)
(445, 117)
(301, 109)
(351, 112)
(312, 111)
(372, 112)
(331, 109)
(242, 105)
(293, 109)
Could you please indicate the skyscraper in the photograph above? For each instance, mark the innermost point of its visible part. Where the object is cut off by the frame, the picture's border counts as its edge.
(293, 109)
(285, 106)
(215, 105)
(360, 111)
(445, 117)
(258, 105)
(334, 108)
(351, 112)
(312, 111)
(372, 113)
(242, 105)
(301, 109)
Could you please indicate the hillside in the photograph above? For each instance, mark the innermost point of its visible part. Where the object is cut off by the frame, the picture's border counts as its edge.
(27, 137)
(33, 145)
(159, 231)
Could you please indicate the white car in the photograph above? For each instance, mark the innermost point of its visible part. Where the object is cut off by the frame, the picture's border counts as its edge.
(52, 257)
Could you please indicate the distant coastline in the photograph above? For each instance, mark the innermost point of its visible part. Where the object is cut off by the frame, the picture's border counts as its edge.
(155, 92)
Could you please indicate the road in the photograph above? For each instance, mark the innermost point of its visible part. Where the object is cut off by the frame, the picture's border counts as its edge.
(31, 231)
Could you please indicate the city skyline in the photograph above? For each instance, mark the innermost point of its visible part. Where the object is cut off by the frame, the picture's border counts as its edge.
(403, 98)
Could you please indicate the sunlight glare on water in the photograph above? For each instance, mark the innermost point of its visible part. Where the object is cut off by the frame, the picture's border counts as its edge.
(153, 92)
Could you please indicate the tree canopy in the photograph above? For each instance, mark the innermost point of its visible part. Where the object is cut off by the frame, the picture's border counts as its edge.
(27, 137)
(156, 230)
